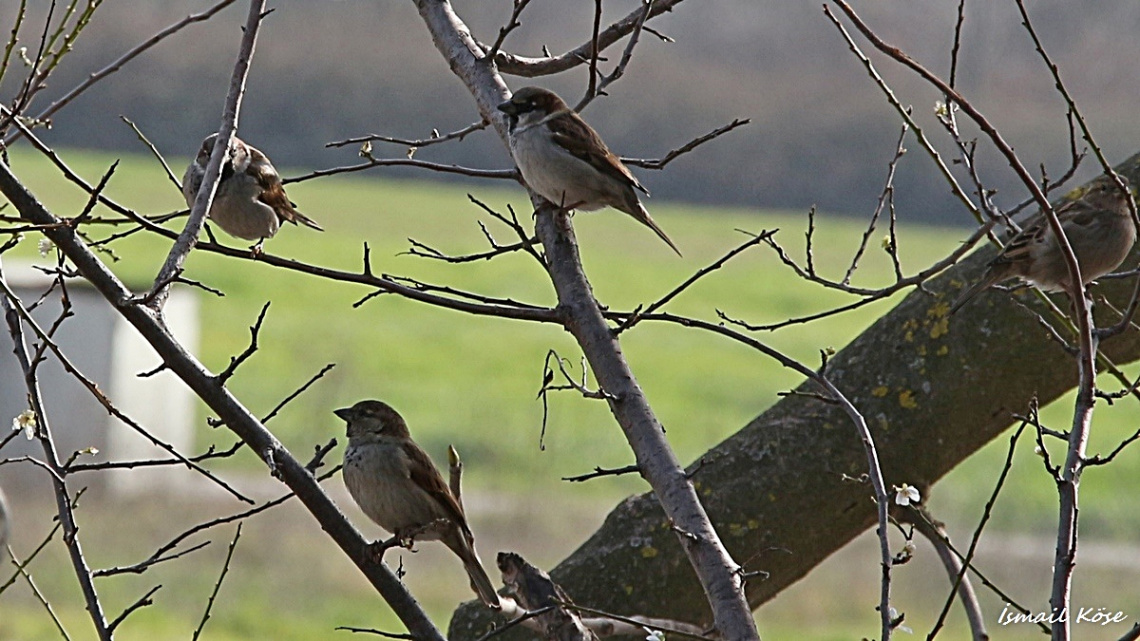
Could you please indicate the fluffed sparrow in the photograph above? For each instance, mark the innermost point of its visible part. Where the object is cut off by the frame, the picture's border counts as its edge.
(396, 485)
(1100, 231)
(250, 202)
(565, 161)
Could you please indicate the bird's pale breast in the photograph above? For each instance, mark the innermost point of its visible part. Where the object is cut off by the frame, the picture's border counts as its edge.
(238, 211)
(559, 176)
(378, 478)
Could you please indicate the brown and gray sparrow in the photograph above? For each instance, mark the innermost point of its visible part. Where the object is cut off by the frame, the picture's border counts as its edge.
(396, 485)
(1100, 231)
(250, 201)
(565, 161)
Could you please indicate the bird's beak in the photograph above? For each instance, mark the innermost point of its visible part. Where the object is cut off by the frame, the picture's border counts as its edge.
(345, 413)
(509, 108)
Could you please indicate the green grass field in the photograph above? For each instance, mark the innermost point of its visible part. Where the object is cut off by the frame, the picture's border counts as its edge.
(472, 381)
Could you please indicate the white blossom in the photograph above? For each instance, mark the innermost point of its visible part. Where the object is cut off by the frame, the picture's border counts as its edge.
(26, 421)
(906, 494)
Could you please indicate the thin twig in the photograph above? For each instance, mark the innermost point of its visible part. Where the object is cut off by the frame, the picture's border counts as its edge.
(154, 150)
(413, 143)
(218, 584)
(142, 602)
(118, 63)
(205, 197)
(601, 471)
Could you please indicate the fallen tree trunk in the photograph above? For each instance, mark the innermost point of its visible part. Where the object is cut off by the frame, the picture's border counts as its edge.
(934, 389)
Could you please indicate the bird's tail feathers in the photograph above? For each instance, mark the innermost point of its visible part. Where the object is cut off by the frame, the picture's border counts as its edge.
(983, 284)
(480, 582)
(642, 216)
(297, 217)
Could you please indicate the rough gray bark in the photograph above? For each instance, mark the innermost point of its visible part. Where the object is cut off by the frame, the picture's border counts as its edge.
(934, 389)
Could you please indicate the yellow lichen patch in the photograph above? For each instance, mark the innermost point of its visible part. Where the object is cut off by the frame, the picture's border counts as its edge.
(880, 391)
(944, 350)
(909, 328)
(648, 552)
(922, 350)
(753, 524)
(940, 328)
(939, 310)
(736, 529)
(628, 589)
(906, 400)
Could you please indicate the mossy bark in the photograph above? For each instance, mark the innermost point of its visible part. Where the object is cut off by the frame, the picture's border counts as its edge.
(934, 389)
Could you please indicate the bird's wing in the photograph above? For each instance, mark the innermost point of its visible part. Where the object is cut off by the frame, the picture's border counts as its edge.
(273, 194)
(272, 191)
(1072, 214)
(579, 139)
(427, 478)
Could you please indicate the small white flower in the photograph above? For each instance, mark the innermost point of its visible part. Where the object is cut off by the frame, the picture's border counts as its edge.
(894, 617)
(90, 451)
(906, 494)
(909, 548)
(45, 246)
(1039, 451)
(654, 635)
(26, 421)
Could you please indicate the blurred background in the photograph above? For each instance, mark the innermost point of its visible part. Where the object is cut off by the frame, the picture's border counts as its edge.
(821, 134)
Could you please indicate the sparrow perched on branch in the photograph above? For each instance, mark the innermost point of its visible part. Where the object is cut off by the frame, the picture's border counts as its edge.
(1098, 226)
(396, 485)
(250, 201)
(565, 161)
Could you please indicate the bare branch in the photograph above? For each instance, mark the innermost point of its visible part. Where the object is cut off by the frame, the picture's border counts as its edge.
(513, 65)
(10, 299)
(635, 317)
(500, 174)
(62, 495)
(236, 417)
(21, 571)
(504, 31)
(205, 197)
(117, 64)
(236, 361)
(142, 602)
(687, 147)
(601, 471)
(218, 584)
(154, 150)
(413, 143)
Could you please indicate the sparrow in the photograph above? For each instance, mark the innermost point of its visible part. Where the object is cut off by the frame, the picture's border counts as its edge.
(1098, 226)
(250, 201)
(565, 161)
(396, 485)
